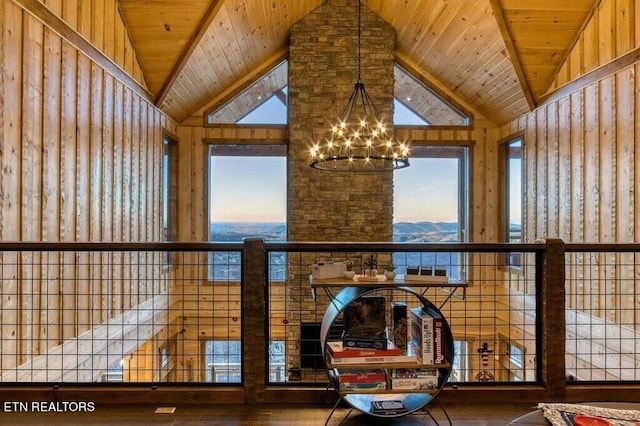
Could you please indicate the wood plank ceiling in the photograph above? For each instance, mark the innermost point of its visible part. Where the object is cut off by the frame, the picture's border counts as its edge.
(498, 56)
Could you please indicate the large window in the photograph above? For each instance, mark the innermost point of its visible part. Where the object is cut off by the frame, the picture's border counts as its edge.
(169, 187)
(247, 199)
(512, 197)
(430, 205)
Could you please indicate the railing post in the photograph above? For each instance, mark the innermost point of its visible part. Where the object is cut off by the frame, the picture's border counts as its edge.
(253, 319)
(551, 319)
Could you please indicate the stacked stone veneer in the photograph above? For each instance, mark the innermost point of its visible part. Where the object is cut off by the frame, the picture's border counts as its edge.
(328, 206)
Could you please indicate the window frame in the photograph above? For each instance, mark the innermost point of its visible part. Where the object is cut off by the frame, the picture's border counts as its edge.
(236, 149)
(513, 261)
(462, 153)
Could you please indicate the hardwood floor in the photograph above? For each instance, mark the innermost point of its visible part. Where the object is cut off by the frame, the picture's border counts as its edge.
(264, 414)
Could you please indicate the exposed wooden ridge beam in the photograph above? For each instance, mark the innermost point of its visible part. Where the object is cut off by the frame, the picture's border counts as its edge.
(232, 91)
(120, 336)
(439, 89)
(191, 45)
(597, 74)
(57, 25)
(496, 5)
(574, 42)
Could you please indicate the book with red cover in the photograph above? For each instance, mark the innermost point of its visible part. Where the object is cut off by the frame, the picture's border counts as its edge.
(360, 376)
(337, 350)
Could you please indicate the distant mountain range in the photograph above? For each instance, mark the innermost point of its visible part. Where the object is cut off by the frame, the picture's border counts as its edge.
(415, 232)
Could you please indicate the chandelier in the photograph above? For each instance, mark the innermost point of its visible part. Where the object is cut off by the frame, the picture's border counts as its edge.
(360, 140)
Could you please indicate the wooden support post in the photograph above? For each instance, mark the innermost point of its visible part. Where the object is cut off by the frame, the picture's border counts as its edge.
(551, 321)
(253, 319)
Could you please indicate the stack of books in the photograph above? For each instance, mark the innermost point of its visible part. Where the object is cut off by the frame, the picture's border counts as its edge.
(362, 381)
(339, 355)
(427, 337)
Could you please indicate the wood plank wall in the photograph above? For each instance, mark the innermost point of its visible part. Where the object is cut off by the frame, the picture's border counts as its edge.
(80, 155)
(612, 31)
(99, 22)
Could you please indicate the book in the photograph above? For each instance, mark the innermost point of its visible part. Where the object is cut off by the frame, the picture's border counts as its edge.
(438, 341)
(410, 357)
(338, 350)
(361, 376)
(362, 387)
(427, 337)
(363, 342)
(388, 407)
(399, 326)
(414, 378)
(362, 380)
(422, 334)
(365, 317)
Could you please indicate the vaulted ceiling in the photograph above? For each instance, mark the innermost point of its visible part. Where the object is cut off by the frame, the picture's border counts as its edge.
(495, 57)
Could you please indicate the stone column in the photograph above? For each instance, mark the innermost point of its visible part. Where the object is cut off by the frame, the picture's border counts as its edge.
(329, 206)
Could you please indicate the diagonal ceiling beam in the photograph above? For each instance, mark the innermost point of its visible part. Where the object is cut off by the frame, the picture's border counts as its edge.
(245, 81)
(191, 45)
(496, 5)
(440, 89)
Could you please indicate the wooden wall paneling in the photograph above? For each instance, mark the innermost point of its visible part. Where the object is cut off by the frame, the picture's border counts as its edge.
(607, 160)
(106, 200)
(119, 40)
(625, 155)
(10, 180)
(592, 204)
(624, 26)
(576, 61)
(96, 190)
(606, 31)
(564, 169)
(577, 189)
(95, 153)
(142, 200)
(31, 206)
(70, 13)
(542, 194)
(564, 182)
(135, 197)
(625, 190)
(126, 194)
(552, 176)
(68, 179)
(531, 178)
(82, 190)
(118, 213)
(51, 175)
(109, 17)
(156, 234)
(607, 185)
(184, 182)
(636, 23)
(97, 24)
(590, 45)
(85, 18)
(149, 198)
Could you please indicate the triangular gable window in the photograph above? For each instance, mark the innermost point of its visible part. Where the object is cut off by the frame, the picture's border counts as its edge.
(264, 102)
(418, 105)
